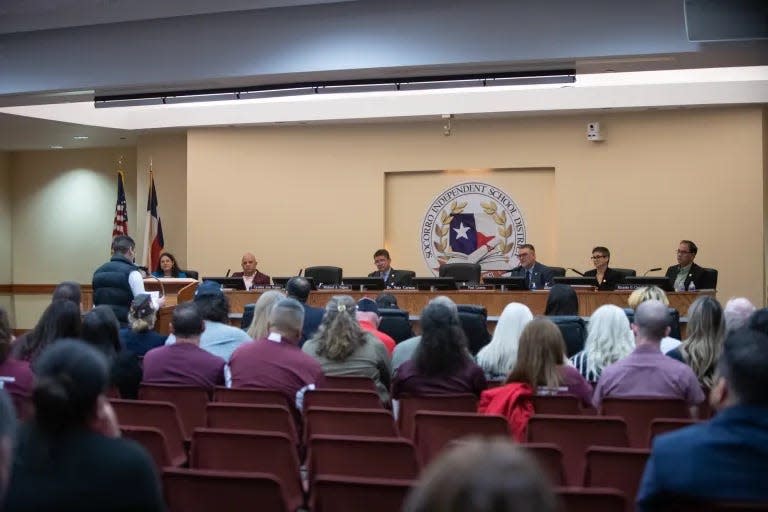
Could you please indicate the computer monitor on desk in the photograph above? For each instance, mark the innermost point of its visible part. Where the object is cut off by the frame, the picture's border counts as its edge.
(434, 283)
(363, 283)
(633, 282)
(576, 281)
(507, 283)
(233, 283)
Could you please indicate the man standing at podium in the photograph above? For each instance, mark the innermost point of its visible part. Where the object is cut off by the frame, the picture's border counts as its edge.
(385, 271)
(118, 281)
(251, 276)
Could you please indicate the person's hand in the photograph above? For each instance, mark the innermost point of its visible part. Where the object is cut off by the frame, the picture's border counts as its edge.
(105, 421)
(160, 302)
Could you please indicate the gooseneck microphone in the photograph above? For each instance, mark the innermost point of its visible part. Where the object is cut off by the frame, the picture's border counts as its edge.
(651, 270)
(228, 271)
(574, 270)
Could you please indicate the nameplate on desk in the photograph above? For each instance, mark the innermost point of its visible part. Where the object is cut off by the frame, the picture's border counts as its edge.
(332, 287)
(477, 287)
(264, 287)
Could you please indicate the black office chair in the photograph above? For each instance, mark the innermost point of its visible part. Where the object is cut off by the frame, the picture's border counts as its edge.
(396, 323)
(626, 272)
(557, 271)
(245, 322)
(461, 272)
(574, 330)
(708, 280)
(193, 274)
(324, 274)
(408, 276)
(474, 321)
(674, 331)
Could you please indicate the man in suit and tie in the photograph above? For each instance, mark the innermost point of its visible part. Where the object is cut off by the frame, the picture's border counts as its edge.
(726, 458)
(537, 276)
(384, 270)
(686, 271)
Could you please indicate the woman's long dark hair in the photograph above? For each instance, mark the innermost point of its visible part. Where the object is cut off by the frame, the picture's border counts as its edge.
(174, 269)
(562, 300)
(61, 319)
(443, 346)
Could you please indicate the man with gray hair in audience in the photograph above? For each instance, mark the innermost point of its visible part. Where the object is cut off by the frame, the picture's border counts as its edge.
(646, 372)
(405, 349)
(277, 362)
(737, 312)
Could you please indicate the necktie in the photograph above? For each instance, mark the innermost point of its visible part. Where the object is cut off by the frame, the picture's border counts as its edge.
(529, 276)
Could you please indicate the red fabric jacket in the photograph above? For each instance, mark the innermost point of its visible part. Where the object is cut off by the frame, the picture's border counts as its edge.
(513, 401)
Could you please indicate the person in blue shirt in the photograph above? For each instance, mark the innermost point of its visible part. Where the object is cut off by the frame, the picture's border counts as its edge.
(726, 458)
(168, 267)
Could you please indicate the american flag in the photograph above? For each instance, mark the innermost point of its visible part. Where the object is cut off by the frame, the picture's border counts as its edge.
(120, 226)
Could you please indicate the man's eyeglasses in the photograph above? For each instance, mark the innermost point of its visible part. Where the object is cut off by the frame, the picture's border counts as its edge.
(598, 257)
(683, 252)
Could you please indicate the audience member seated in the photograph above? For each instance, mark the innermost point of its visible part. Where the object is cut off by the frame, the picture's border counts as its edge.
(737, 312)
(15, 375)
(168, 267)
(259, 327)
(498, 357)
(101, 330)
(442, 363)
(541, 363)
(184, 362)
(7, 440)
(605, 277)
(562, 301)
(483, 476)
(251, 276)
(705, 331)
(759, 320)
(298, 288)
(367, 316)
(646, 372)
(70, 457)
(387, 300)
(645, 293)
(68, 290)
(61, 319)
(219, 338)
(343, 348)
(724, 459)
(276, 361)
(405, 349)
(609, 338)
(141, 337)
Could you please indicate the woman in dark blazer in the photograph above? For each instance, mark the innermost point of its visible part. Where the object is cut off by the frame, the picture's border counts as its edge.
(605, 278)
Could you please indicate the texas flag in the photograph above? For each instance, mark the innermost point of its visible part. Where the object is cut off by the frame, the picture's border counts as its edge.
(153, 233)
(464, 236)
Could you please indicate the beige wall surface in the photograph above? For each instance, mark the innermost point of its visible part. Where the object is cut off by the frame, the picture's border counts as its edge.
(168, 155)
(6, 233)
(313, 195)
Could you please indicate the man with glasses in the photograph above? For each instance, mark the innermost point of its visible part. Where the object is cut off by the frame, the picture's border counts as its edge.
(537, 276)
(605, 278)
(686, 271)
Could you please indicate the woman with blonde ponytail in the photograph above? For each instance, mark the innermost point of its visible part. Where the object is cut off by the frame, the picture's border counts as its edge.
(343, 348)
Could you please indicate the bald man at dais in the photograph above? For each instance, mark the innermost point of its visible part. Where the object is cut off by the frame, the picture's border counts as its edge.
(251, 276)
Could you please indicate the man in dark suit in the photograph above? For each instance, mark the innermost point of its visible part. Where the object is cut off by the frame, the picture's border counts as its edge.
(686, 271)
(384, 270)
(726, 458)
(537, 276)
(298, 288)
(250, 274)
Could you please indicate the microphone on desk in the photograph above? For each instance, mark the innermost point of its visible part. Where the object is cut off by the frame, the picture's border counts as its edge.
(228, 271)
(651, 270)
(300, 271)
(574, 270)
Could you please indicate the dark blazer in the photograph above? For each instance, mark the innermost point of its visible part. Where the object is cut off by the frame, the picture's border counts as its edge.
(259, 279)
(312, 318)
(542, 275)
(611, 279)
(700, 280)
(396, 278)
(724, 459)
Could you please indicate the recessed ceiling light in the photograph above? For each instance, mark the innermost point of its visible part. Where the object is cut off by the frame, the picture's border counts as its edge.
(57, 147)
(80, 137)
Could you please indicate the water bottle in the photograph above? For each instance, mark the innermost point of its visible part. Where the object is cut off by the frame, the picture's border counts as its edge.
(691, 287)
